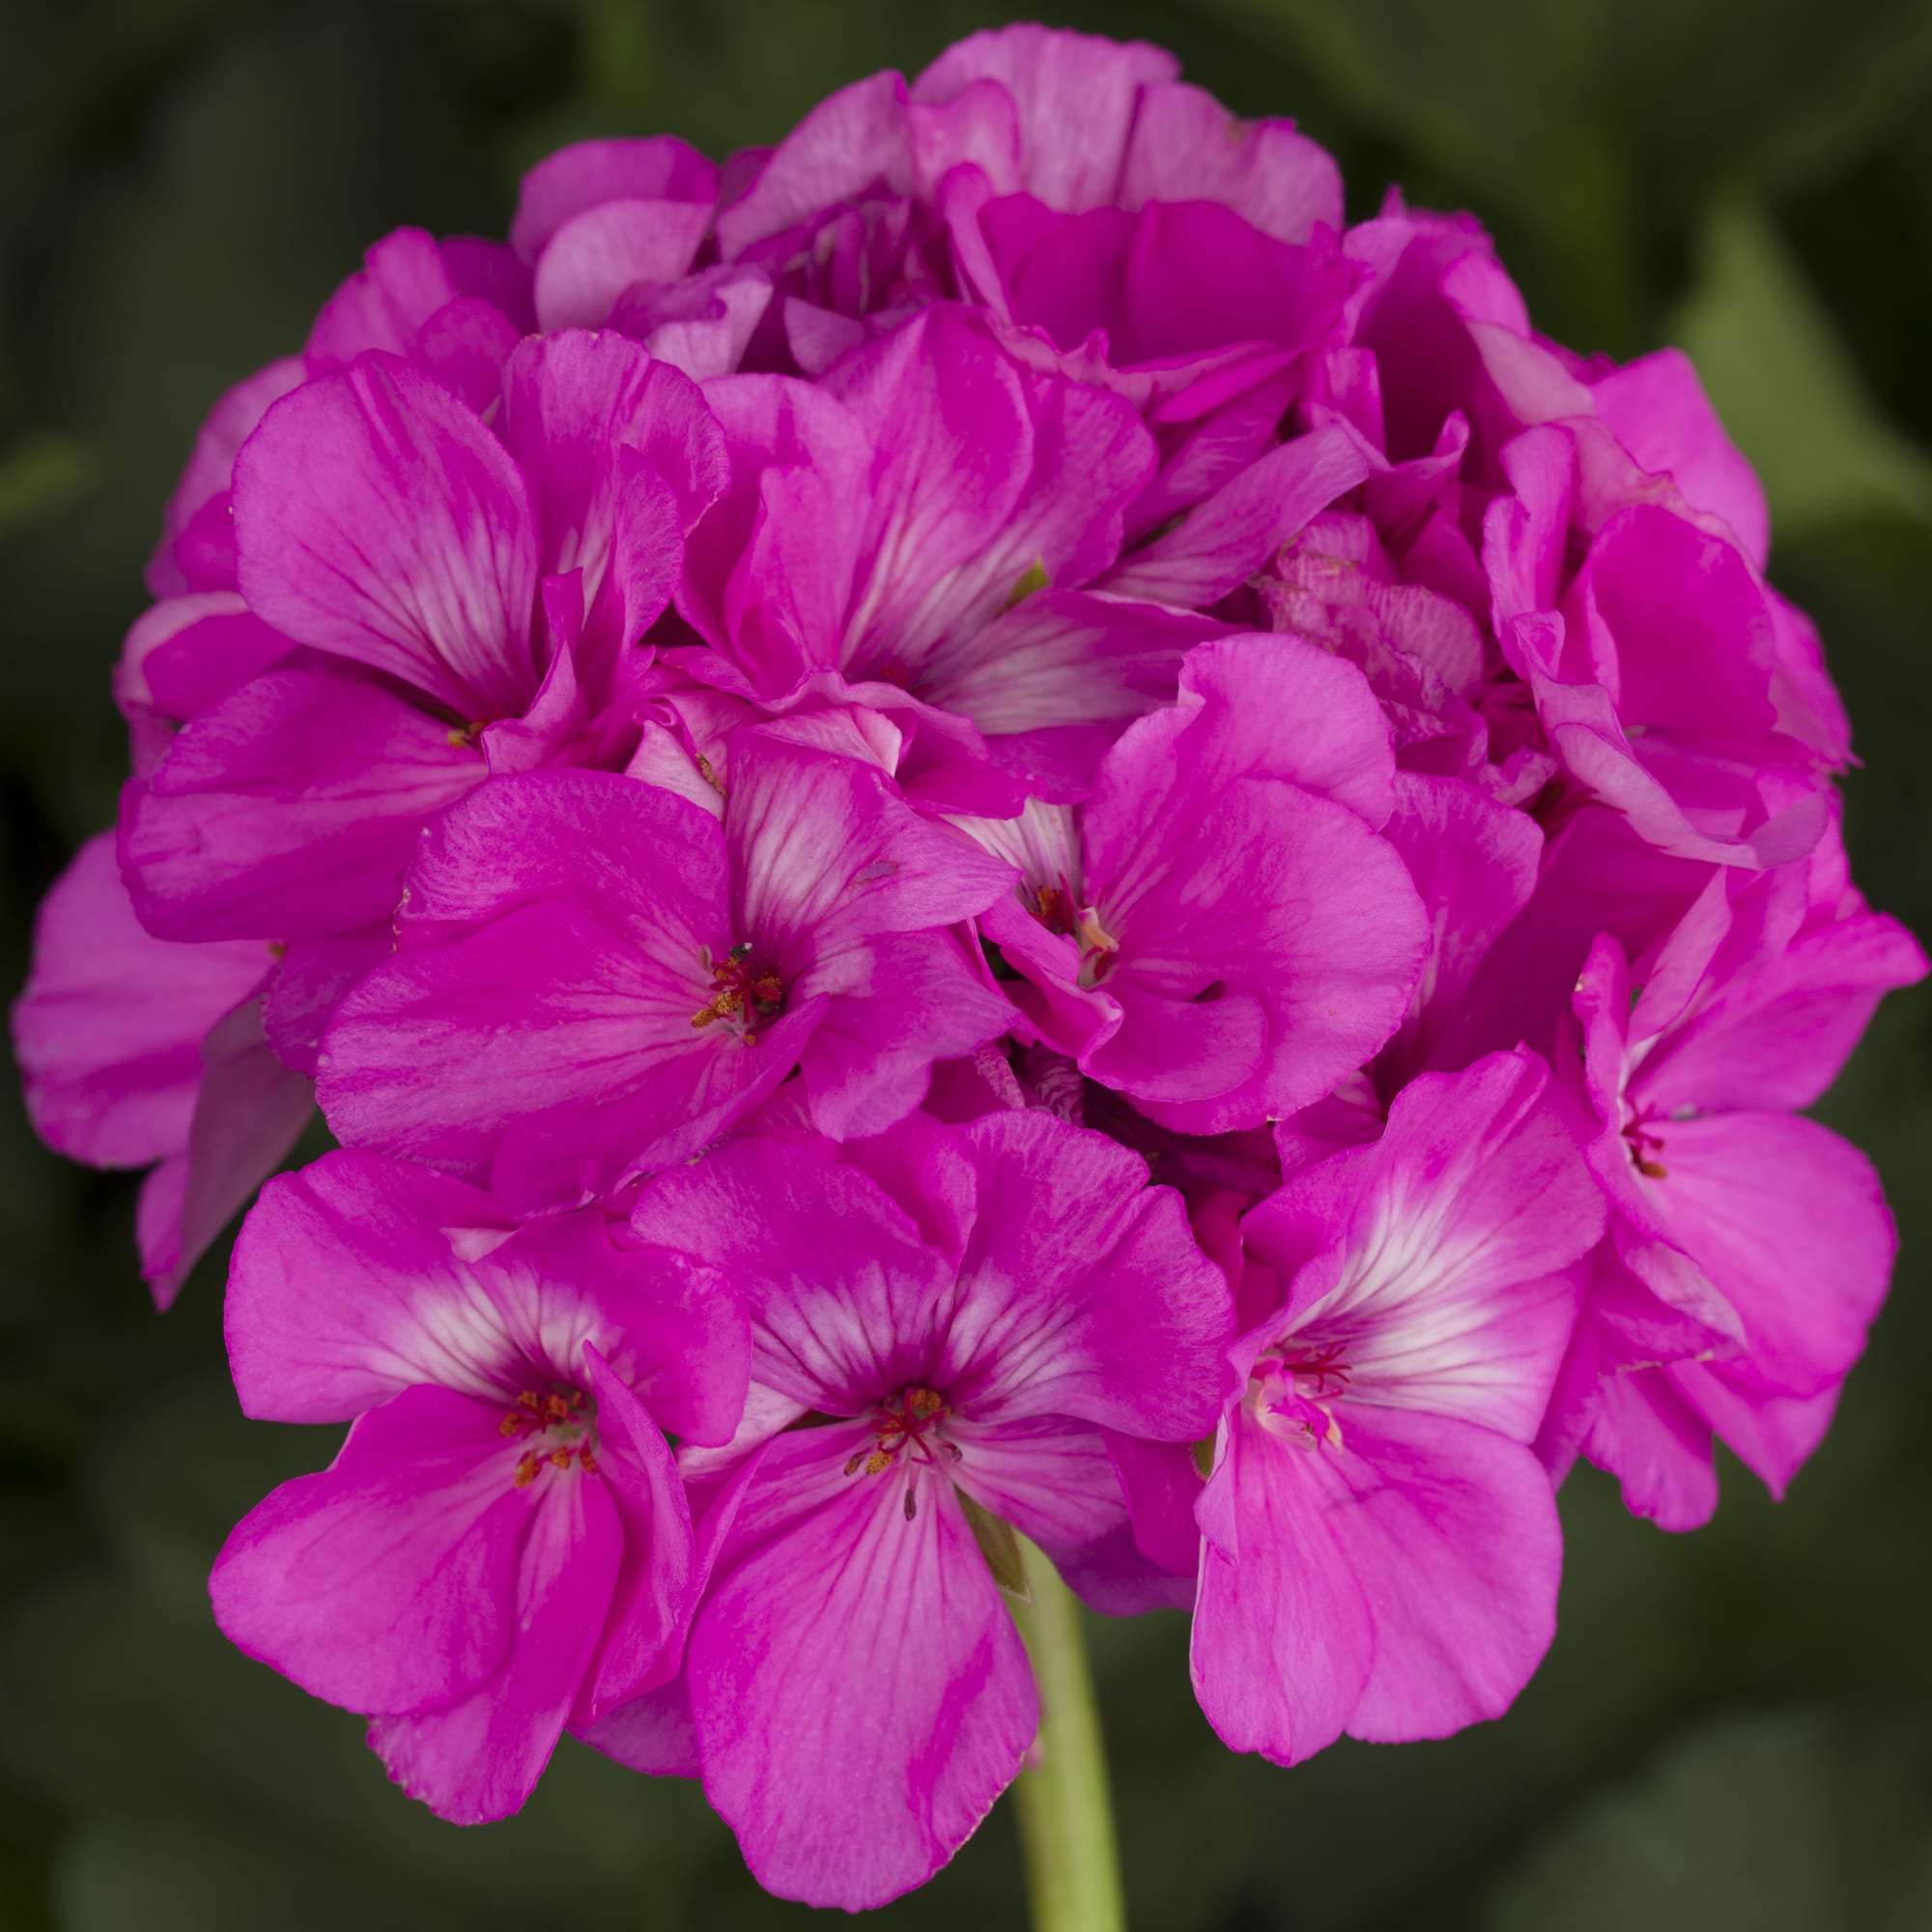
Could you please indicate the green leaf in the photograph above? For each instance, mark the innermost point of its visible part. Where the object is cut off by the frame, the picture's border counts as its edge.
(1783, 383)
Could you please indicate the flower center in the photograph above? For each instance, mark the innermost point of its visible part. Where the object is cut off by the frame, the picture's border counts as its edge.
(1645, 1147)
(1295, 1393)
(906, 1425)
(1057, 909)
(742, 992)
(559, 1428)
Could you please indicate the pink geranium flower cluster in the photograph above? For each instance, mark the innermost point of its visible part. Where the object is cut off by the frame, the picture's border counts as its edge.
(973, 825)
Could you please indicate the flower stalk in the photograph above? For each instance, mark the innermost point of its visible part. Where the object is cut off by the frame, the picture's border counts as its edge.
(1065, 1808)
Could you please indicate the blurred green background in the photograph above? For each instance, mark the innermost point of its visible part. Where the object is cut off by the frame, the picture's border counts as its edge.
(1733, 1728)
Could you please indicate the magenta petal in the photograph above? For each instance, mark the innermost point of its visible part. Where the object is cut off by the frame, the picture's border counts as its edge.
(1656, 1445)
(108, 1030)
(894, 1007)
(1280, 708)
(860, 1693)
(1284, 1639)
(404, 281)
(588, 172)
(1660, 413)
(572, 403)
(1770, 1435)
(1453, 1533)
(656, 1580)
(845, 144)
(1055, 1483)
(1076, 95)
(846, 1299)
(1186, 146)
(479, 1758)
(379, 519)
(361, 1276)
(1221, 543)
(596, 255)
(289, 809)
(345, 1291)
(1094, 1302)
(388, 1581)
(248, 1114)
(212, 466)
(1263, 894)
(1456, 1282)
(652, 1733)
(826, 854)
(1790, 1223)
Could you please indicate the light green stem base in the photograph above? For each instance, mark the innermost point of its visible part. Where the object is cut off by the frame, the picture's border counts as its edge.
(1066, 1813)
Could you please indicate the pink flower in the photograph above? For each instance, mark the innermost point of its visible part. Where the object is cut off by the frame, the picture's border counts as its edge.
(943, 1324)
(503, 1544)
(1218, 932)
(809, 722)
(1379, 1546)
(1752, 1246)
(598, 978)
(404, 544)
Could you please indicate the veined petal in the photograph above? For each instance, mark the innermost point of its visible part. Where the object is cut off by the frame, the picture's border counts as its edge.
(292, 809)
(1441, 1258)
(378, 519)
(477, 1758)
(108, 1031)
(1284, 1636)
(1091, 1300)
(847, 1303)
(389, 1581)
(861, 1696)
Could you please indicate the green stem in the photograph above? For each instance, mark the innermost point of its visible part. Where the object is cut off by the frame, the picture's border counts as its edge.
(1067, 1816)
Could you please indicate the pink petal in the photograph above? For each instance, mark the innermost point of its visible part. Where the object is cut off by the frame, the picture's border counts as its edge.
(845, 145)
(477, 1758)
(379, 519)
(108, 1030)
(846, 1301)
(1790, 1223)
(1222, 542)
(388, 1581)
(861, 1696)
(1456, 1281)
(292, 809)
(1094, 1302)
(657, 1582)
(599, 253)
(1284, 1638)
(573, 404)
(1054, 1482)
(1186, 146)
(1453, 1534)
(1660, 413)
(588, 172)
(248, 1114)
(1076, 97)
